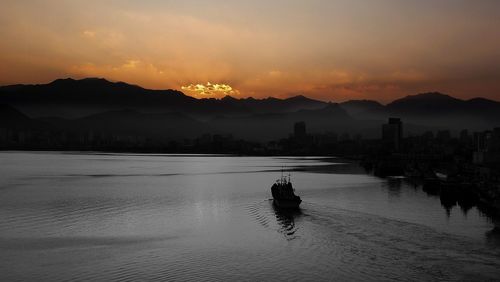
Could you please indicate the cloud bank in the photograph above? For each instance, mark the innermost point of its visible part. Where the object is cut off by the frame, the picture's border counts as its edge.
(330, 50)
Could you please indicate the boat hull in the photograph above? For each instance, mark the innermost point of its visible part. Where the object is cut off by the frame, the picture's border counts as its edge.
(287, 204)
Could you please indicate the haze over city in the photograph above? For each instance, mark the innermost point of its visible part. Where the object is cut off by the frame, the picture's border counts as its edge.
(327, 50)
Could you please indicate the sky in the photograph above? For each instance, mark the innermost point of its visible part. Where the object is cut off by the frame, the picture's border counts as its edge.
(332, 50)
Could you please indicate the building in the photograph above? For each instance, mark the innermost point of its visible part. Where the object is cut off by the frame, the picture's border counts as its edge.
(443, 136)
(299, 130)
(486, 148)
(392, 134)
(464, 136)
(482, 141)
(495, 140)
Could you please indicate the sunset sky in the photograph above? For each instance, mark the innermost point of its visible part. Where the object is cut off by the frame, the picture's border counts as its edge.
(332, 50)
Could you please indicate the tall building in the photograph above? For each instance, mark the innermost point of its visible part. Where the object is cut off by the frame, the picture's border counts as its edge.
(392, 133)
(482, 141)
(464, 136)
(495, 140)
(482, 147)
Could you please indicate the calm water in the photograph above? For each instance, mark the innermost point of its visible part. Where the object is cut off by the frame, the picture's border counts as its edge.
(159, 217)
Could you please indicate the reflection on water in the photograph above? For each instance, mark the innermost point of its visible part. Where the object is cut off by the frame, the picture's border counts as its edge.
(493, 236)
(286, 219)
(394, 186)
(157, 217)
(451, 196)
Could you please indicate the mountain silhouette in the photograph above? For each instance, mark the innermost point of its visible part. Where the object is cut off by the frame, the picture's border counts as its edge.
(362, 107)
(444, 110)
(98, 105)
(432, 103)
(72, 98)
(274, 105)
(431, 109)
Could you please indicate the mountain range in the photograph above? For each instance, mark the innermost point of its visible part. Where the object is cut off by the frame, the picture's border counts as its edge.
(71, 98)
(96, 104)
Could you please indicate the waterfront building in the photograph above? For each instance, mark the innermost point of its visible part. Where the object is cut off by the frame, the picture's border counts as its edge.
(392, 134)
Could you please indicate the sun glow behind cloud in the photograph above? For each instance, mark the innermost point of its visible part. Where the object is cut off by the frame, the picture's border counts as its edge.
(210, 90)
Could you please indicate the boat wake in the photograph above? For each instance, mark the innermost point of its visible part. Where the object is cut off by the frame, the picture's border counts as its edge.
(271, 217)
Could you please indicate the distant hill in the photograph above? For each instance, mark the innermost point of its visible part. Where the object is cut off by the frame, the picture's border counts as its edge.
(75, 98)
(273, 126)
(433, 103)
(362, 107)
(177, 126)
(133, 123)
(11, 118)
(72, 98)
(431, 109)
(444, 110)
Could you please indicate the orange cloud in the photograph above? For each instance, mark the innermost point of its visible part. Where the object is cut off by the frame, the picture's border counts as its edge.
(330, 50)
(210, 90)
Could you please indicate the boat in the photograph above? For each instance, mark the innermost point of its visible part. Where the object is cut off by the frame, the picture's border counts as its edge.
(284, 194)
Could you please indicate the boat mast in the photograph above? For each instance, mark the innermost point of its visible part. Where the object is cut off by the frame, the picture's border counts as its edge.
(281, 179)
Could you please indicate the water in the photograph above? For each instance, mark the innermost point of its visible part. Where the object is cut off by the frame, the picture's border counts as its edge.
(125, 217)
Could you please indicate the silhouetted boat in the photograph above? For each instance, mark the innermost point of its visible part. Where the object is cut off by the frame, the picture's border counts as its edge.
(283, 194)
